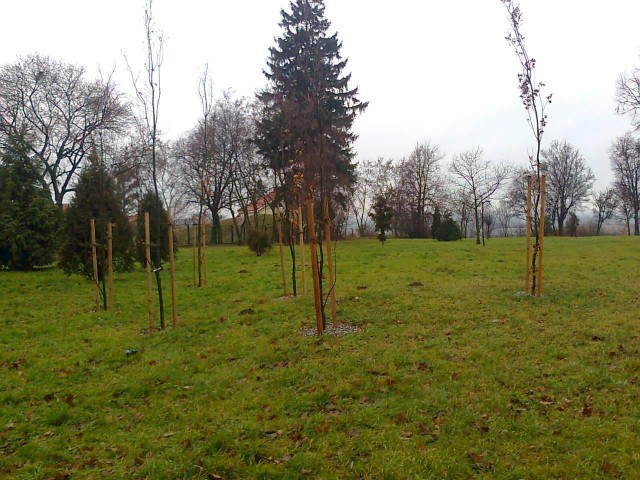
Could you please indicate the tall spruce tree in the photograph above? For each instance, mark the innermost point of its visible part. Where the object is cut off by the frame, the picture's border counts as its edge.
(96, 197)
(29, 221)
(308, 109)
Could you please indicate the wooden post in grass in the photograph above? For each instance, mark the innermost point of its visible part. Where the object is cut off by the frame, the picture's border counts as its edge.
(172, 269)
(195, 260)
(110, 266)
(301, 238)
(94, 259)
(543, 199)
(280, 254)
(314, 265)
(203, 243)
(327, 238)
(147, 251)
(527, 267)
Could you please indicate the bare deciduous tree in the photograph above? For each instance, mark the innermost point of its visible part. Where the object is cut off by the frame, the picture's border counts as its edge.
(481, 178)
(625, 163)
(535, 103)
(604, 206)
(504, 216)
(418, 187)
(628, 96)
(148, 94)
(362, 194)
(569, 180)
(60, 111)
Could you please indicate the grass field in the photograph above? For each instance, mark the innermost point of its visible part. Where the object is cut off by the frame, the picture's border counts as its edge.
(459, 377)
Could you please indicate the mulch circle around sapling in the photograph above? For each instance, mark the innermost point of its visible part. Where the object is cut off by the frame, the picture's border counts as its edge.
(340, 330)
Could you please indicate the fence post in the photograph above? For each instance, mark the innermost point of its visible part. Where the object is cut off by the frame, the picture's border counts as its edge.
(332, 283)
(284, 278)
(94, 261)
(110, 265)
(543, 199)
(172, 269)
(527, 268)
(301, 240)
(314, 266)
(147, 247)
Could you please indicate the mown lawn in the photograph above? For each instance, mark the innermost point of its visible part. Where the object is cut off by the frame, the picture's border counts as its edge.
(458, 376)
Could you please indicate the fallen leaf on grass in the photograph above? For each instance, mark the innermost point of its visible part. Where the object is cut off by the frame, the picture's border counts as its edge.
(546, 400)
(423, 429)
(273, 434)
(609, 469)
(482, 428)
(323, 427)
(438, 420)
(479, 462)
(422, 367)
(168, 434)
(60, 476)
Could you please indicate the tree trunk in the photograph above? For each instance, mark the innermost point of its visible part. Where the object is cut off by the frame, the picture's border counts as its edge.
(561, 218)
(482, 221)
(477, 219)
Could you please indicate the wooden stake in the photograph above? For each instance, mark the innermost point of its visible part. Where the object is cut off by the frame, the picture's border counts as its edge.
(147, 248)
(110, 266)
(94, 259)
(314, 266)
(195, 260)
(527, 268)
(543, 199)
(280, 254)
(327, 239)
(203, 240)
(301, 238)
(172, 270)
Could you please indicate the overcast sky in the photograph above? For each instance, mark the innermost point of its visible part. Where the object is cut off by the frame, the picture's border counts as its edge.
(437, 70)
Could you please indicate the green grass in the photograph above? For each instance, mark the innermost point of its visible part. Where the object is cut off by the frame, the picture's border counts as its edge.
(462, 377)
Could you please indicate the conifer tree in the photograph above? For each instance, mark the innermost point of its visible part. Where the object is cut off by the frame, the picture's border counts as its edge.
(96, 197)
(437, 220)
(382, 216)
(157, 223)
(29, 221)
(448, 230)
(308, 110)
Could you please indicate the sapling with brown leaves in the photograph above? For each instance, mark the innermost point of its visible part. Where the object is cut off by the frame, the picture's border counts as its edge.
(535, 103)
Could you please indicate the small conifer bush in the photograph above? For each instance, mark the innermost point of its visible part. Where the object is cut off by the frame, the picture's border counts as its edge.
(258, 241)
